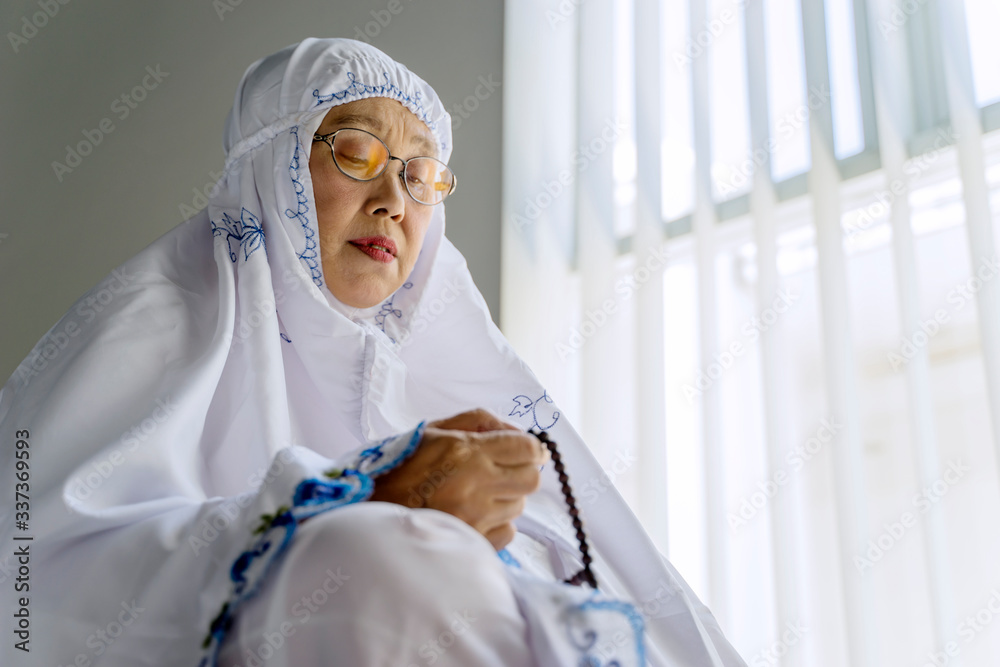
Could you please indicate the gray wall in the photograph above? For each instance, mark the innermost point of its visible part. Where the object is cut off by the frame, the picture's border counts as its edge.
(59, 238)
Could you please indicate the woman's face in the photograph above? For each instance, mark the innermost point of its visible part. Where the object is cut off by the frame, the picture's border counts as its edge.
(349, 211)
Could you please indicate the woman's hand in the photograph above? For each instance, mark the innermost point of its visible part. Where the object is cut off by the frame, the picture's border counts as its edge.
(473, 466)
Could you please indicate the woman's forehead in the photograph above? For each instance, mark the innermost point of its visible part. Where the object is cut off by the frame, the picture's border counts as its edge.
(384, 117)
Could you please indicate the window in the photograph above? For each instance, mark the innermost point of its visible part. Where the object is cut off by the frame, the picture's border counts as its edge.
(759, 531)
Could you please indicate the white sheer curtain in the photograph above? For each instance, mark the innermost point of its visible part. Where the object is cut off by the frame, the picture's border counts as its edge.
(749, 247)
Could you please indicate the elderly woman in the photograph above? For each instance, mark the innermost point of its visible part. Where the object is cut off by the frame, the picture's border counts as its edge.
(193, 456)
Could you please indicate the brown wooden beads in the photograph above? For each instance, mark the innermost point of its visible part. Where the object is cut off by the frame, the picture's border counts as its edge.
(586, 574)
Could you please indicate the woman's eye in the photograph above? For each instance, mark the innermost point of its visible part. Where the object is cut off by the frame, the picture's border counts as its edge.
(352, 158)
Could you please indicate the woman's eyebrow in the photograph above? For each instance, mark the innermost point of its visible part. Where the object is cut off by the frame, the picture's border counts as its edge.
(361, 119)
(429, 147)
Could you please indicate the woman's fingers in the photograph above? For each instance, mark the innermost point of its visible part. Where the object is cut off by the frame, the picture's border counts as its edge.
(517, 482)
(501, 536)
(480, 477)
(504, 511)
(509, 449)
(498, 526)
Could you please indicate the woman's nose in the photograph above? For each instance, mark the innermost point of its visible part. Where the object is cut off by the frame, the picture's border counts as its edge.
(391, 191)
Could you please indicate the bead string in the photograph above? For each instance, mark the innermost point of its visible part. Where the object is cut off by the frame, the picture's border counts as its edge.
(586, 574)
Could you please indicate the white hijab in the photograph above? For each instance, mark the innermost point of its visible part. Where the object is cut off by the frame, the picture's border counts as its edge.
(174, 383)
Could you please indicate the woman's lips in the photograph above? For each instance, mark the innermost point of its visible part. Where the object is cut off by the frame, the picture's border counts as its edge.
(374, 253)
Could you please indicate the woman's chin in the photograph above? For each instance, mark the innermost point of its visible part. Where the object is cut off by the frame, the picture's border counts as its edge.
(358, 299)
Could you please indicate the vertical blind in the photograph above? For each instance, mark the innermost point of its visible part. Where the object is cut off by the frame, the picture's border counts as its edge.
(749, 248)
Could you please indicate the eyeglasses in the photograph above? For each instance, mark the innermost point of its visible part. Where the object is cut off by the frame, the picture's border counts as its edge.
(362, 156)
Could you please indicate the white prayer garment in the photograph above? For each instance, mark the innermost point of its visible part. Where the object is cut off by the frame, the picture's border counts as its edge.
(201, 431)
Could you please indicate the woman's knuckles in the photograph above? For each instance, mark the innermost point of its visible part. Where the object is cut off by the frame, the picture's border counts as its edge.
(461, 451)
(453, 472)
(475, 420)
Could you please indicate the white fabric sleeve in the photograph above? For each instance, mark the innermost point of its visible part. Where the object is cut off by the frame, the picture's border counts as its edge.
(302, 484)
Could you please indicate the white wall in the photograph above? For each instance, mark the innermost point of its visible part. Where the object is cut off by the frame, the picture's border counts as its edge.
(59, 238)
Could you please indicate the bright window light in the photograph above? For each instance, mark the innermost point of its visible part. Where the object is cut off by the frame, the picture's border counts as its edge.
(983, 20)
(787, 100)
(732, 166)
(678, 135)
(848, 131)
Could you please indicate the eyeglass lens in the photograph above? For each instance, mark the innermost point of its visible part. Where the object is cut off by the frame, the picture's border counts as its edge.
(363, 156)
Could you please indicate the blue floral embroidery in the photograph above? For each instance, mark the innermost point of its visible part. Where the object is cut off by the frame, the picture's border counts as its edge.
(245, 232)
(525, 404)
(318, 492)
(285, 338)
(309, 254)
(238, 572)
(508, 558)
(411, 446)
(589, 640)
(311, 497)
(373, 454)
(387, 310)
(387, 89)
